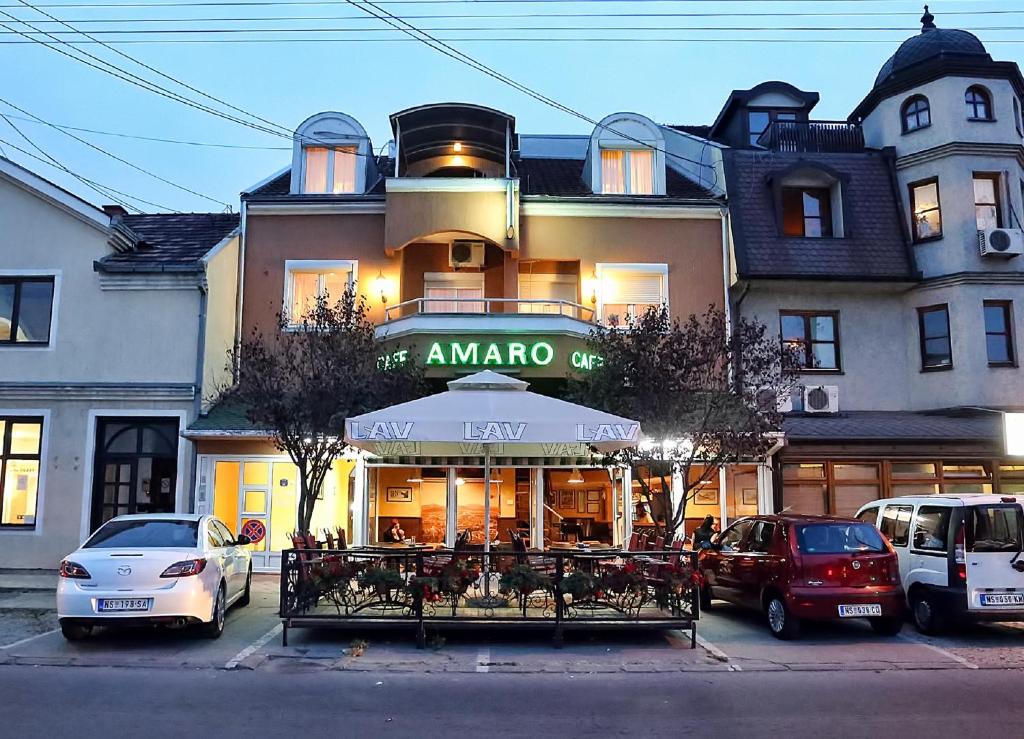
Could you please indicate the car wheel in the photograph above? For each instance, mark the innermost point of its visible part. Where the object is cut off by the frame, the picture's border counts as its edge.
(886, 626)
(75, 632)
(247, 593)
(927, 617)
(782, 623)
(215, 627)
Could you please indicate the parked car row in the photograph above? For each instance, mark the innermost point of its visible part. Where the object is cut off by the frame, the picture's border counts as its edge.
(176, 569)
(942, 558)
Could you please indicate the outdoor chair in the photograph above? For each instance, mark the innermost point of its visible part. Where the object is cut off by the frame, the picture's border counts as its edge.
(432, 566)
(330, 538)
(342, 540)
(634, 542)
(544, 564)
(659, 543)
(641, 546)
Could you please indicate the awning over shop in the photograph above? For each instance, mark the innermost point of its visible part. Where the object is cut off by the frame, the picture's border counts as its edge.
(494, 414)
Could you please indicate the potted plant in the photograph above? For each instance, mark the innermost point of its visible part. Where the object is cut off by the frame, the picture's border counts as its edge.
(381, 580)
(426, 588)
(522, 580)
(580, 586)
(625, 579)
(458, 575)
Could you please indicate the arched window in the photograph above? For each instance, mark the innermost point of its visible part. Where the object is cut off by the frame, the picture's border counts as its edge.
(979, 104)
(916, 113)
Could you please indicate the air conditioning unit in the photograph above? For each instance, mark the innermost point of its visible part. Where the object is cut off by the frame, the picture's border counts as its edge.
(1001, 242)
(821, 399)
(464, 253)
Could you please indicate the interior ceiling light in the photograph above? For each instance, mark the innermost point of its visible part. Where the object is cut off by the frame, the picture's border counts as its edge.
(415, 478)
(576, 476)
(457, 146)
(459, 481)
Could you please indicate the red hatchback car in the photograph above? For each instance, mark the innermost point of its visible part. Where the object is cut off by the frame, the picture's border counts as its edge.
(805, 567)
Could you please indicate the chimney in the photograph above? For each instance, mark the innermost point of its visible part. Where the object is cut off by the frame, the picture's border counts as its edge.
(116, 212)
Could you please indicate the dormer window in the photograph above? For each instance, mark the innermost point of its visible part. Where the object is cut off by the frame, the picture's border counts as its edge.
(627, 171)
(808, 201)
(759, 120)
(330, 169)
(807, 212)
(916, 113)
(331, 155)
(979, 104)
(626, 156)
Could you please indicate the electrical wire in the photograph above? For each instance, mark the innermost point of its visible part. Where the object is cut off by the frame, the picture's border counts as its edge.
(466, 29)
(497, 39)
(115, 157)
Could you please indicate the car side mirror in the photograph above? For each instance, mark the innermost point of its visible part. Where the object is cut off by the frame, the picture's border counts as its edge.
(242, 540)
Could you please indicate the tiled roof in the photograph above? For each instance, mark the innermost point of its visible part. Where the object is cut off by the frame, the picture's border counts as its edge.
(895, 425)
(226, 416)
(169, 241)
(873, 247)
(538, 176)
(564, 178)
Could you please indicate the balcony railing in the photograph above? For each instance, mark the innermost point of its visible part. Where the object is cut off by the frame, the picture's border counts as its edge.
(473, 306)
(813, 137)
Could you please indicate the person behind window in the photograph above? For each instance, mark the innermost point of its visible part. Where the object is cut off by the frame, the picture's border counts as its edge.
(395, 533)
(703, 534)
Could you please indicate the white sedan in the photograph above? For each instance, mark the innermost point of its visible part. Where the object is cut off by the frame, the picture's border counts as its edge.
(154, 568)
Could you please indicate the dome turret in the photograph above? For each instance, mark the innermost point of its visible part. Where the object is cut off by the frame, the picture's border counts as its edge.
(932, 42)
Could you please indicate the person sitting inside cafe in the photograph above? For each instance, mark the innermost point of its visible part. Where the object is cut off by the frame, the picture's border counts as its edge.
(395, 533)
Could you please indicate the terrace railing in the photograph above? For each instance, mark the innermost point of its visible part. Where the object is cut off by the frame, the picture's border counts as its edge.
(501, 306)
(813, 137)
(443, 589)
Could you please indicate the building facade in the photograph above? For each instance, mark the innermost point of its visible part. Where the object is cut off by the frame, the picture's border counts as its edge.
(886, 248)
(105, 320)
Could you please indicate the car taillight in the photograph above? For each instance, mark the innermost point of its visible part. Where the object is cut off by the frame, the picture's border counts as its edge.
(894, 571)
(958, 554)
(185, 568)
(73, 570)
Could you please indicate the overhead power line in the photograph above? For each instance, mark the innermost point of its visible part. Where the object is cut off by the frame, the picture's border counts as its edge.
(465, 29)
(311, 3)
(496, 39)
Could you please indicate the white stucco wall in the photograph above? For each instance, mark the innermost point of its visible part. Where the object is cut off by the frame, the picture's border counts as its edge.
(880, 344)
(222, 286)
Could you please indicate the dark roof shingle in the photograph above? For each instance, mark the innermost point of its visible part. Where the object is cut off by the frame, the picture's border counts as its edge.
(895, 425)
(873, 248)
(169, 241)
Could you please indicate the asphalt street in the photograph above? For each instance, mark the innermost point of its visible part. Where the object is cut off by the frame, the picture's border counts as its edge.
(105, 702)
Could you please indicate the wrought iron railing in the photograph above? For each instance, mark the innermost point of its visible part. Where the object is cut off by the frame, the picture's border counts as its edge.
(813, 137)
(557, 590)
(508, 306)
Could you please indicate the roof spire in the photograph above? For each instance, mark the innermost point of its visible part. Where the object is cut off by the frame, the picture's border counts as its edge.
(927, 21)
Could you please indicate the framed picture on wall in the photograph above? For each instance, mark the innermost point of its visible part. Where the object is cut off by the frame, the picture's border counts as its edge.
(706, 496)
(593, 507)
(593, 496)
(399, 495)
(748, 496)
(581, 502)
(566, 499)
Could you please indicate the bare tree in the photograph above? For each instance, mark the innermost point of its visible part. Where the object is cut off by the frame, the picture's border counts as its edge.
(302, 380)
(704, 392)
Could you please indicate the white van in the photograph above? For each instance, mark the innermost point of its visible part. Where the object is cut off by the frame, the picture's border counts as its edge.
(961, 556)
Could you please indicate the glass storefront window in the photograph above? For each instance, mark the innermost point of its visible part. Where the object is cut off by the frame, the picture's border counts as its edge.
(855, 471)
(578, 508)
(411, 503)
(849, 498)
(804, 471)
(915, 488)
(913, 469)
(965, 470)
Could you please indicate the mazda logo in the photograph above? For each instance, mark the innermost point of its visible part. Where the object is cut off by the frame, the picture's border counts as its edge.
(124, 570)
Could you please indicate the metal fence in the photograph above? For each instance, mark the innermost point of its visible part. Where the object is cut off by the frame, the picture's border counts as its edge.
(556, 591)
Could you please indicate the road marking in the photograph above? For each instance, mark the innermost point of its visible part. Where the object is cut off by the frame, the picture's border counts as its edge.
(252, 648)
(483, 660)
(28, 639)
(944, 652)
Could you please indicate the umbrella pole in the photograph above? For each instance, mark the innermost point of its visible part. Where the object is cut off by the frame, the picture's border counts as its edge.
(487, 521)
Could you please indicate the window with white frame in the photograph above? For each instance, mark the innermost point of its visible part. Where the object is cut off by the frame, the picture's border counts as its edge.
(629, 290)
(329, 169)
(453, 292)
(627, 171)
(555, 288)
(20, 459)
(305, 281)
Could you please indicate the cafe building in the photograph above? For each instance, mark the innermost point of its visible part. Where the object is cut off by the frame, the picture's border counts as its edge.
(477, 248)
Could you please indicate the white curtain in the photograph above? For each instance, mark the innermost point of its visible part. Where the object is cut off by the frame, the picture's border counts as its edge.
(613, 171)
(345, 169)
(641, 172)
(316, 170)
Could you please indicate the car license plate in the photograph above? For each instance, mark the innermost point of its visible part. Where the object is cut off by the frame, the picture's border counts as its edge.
(868, 609)
(1002, 599)
(125, 604)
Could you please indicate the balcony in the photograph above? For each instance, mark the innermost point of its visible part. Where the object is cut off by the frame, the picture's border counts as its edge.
(834, 137)
(486, 316)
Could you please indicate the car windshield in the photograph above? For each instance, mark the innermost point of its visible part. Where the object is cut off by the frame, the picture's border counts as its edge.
(838, 538)
(145, 533)
(994, 528)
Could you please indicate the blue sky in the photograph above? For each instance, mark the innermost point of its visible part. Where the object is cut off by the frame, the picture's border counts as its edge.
(368, 73)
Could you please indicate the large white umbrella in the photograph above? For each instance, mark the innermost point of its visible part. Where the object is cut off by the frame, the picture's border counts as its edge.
(485, 414)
